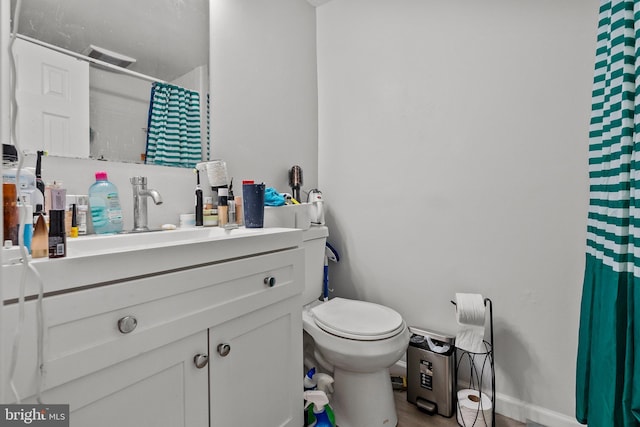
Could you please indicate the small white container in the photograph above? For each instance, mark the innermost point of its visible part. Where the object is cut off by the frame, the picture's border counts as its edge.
(187, 220)
(288, 216)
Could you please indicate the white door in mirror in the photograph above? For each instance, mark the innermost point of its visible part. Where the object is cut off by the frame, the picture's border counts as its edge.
(53, 101)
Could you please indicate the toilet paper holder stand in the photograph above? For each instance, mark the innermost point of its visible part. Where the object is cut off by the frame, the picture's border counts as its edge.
(476, 376)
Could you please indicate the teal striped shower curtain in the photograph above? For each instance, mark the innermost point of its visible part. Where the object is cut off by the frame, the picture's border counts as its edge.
(173, 136)
(608, 359)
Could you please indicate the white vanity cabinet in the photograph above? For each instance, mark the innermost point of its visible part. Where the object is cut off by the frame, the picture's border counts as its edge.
(212, 344)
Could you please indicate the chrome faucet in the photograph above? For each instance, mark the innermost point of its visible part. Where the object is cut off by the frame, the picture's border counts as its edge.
(140, 193)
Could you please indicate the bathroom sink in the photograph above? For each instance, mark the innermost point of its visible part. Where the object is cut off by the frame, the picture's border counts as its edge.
(130, 241)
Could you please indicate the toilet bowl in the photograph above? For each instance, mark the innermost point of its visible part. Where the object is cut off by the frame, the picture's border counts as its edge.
(357, 342)
(354, 341)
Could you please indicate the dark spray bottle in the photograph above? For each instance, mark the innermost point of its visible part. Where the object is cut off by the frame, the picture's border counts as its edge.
(199, 201)
(39, 182)
(57, 232)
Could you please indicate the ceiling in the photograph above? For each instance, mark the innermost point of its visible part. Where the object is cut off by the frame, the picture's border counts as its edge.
(168, 38)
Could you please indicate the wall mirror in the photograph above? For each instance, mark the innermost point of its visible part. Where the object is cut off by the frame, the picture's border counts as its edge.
(169, 40)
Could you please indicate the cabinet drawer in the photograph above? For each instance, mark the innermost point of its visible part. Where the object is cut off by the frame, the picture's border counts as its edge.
(82, 332)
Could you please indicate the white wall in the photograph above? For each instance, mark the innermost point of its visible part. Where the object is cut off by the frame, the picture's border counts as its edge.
(263, 89)
(453, 139)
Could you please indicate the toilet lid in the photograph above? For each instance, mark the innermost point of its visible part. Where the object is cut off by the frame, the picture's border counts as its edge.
(357, 320)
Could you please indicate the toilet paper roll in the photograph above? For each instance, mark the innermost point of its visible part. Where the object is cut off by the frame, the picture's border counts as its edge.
(470, 315)
(474, 409)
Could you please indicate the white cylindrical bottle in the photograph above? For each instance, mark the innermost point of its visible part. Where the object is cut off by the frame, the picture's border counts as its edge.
(82, 210)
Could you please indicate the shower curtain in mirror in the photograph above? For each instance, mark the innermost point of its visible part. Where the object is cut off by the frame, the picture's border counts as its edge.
(608, 358)
(173, 137)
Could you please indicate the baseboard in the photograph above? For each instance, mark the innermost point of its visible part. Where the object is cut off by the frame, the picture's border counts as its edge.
(523, 411)
(514, 408)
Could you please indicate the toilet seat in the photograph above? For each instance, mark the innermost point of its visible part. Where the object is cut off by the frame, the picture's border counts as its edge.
(357, 320)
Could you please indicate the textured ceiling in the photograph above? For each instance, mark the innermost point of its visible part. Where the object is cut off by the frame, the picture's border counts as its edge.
(167, 37)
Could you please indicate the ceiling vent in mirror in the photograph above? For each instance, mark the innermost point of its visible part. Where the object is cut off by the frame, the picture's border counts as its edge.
(109, 56)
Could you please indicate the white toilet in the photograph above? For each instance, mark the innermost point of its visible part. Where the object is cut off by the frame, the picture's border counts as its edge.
(354, 341)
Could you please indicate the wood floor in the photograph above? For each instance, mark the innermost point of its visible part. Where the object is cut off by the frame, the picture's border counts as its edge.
(410, 416)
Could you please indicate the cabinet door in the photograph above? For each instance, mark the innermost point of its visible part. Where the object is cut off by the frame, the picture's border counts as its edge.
(162, 387)
(256, 368)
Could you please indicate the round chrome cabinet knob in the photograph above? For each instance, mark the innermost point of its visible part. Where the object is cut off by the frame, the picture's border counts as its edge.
(127, 324)
(270, 281)
(224, 349)
(200, 360)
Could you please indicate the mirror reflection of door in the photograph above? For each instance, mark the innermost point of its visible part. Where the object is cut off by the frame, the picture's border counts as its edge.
(169, 41)
(52, 92)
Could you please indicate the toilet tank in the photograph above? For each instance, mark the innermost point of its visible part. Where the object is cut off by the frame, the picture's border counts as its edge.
(314, 241)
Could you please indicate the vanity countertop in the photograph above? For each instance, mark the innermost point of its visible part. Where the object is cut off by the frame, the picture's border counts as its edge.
(104, 259)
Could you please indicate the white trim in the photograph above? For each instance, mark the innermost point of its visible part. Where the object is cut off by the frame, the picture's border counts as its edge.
(523, 411)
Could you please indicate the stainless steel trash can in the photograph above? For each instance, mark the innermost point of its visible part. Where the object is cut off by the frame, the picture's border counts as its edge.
(431, 371)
